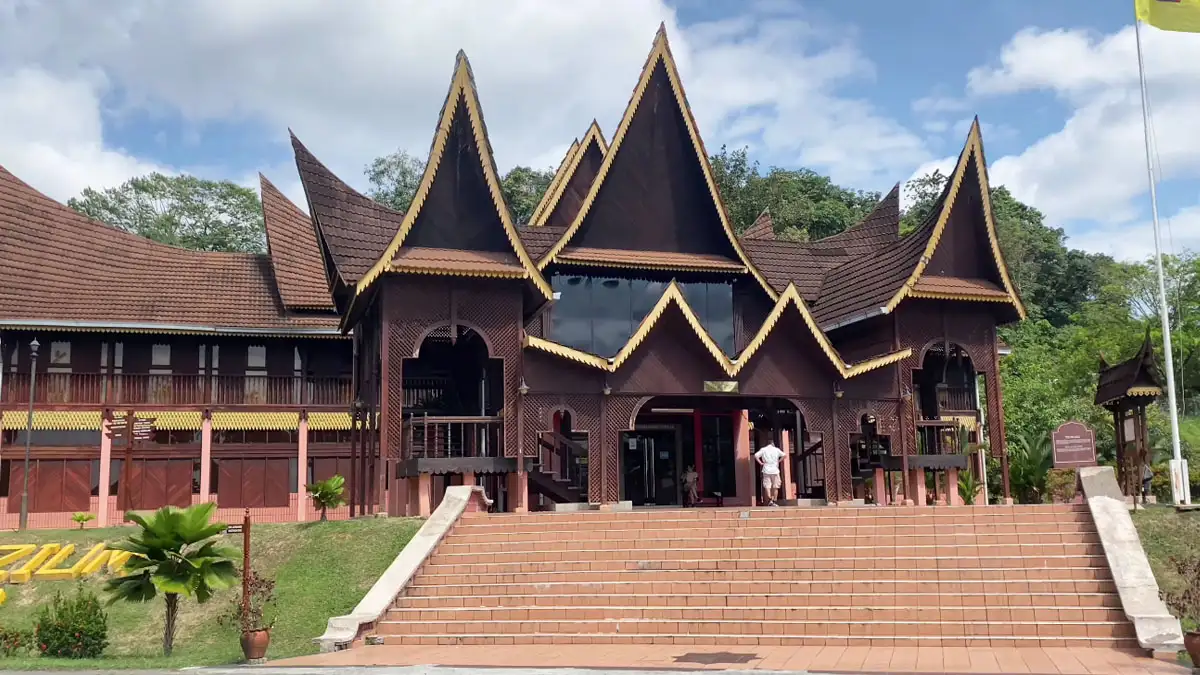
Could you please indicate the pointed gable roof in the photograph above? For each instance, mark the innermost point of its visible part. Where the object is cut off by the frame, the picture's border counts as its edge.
(762, 228)
(655, 190)
(1137, 376)
(354, 229)
(294, 251)
(554, 181)
(916, 266)
(564, 199)
(459, 209)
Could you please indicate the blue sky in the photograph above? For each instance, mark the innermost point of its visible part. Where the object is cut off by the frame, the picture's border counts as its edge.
(870, 92)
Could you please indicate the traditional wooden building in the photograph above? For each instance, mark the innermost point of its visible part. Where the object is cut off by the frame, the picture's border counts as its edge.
(592, 355)
(1126, 390)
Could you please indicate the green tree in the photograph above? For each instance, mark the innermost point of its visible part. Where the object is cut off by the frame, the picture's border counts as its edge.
(804, 205)
(185, 211)
(175, 552)
(394, 178)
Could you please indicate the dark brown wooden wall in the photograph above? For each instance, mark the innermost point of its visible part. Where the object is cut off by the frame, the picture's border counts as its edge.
(55, 485)
(252, 482)
(157, 483)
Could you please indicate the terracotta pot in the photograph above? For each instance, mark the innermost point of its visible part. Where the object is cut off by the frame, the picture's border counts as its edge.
(254, 644)
(1191, 642)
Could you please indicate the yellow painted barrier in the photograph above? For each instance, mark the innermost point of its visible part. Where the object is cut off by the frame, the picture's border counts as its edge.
(49, 562)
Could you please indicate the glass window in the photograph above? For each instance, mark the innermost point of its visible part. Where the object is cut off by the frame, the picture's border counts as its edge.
(5, 476)
(256, 357)
(60, 353)
(160, 356)
(57, 438)
(293, 473)
(571, 323)
(611, 319)
(719, 319)
(645, 295)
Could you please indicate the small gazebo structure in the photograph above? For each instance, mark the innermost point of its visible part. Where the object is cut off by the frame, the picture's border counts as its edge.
(1126, 389)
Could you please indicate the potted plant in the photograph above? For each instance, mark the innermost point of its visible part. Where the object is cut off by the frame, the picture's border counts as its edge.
(1185, 602)
(254, 619)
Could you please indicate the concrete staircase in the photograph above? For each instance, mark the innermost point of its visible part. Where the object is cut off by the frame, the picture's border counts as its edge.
(967, 576)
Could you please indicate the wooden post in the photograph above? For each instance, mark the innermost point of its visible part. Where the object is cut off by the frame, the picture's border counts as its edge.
(125, 496)
(246, 566)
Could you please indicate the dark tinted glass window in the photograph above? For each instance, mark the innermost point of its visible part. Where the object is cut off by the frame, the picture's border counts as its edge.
(571, 318)
(719, 318)
(612, 322)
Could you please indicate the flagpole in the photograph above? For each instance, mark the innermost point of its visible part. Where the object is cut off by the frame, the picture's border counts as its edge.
(1179, 479)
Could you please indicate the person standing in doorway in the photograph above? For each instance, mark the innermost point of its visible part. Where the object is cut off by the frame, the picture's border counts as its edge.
(768, 457)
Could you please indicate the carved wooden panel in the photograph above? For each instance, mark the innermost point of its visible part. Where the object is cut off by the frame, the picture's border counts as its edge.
(617, 410)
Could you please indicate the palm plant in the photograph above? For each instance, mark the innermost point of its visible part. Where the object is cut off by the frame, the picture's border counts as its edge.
(81, 518)
(175, 553)
(328, 494)
(1029, 460)
(968, 487)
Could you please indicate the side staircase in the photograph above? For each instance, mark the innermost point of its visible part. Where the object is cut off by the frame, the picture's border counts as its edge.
(948, 576)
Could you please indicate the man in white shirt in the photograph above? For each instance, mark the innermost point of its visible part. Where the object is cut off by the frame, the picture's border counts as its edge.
(768, 458)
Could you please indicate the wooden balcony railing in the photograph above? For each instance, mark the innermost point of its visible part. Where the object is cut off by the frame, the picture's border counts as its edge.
(955, 398)
(175, 389)
(430, 437)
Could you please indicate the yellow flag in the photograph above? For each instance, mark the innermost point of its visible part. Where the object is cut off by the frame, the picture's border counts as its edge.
(1176, 15)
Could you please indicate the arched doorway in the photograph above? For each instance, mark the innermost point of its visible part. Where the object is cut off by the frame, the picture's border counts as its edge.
(453, 396)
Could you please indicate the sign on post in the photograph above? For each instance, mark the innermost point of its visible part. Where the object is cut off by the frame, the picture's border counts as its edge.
(1074, 445)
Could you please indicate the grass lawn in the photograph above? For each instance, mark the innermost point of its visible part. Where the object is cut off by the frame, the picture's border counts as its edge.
(320, 569)
(1166, 533)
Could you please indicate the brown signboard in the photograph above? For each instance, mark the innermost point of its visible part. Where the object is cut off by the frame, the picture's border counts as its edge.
(1074, 445)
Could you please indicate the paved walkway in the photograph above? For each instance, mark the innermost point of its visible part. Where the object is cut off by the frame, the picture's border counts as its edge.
(896, 660)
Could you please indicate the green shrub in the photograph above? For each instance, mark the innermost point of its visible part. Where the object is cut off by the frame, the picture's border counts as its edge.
(1060, 485)
(73, 627)
(15, 641)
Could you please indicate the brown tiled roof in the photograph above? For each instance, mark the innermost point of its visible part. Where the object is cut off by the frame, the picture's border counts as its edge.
(1141, 370)
(537, 240)
(976, 288)
(355, 228)
(762, 228)
(664, 260)
(295, 253)
(59, 268)
(880, 228)
(454, 261)
(790, 262)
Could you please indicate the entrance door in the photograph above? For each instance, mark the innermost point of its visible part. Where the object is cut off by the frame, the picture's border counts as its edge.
(650, 461)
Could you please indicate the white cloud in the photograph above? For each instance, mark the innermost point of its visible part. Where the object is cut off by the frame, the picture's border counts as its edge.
(1135, 241)
(51, 135)
(355, 80)
(1093, 168)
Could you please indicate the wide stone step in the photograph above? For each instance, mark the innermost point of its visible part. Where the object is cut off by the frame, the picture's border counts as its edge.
(883, 628)
(766, 546)
(1060, 586)
(645, 597)
(989, 534)
(398, 618)
(820, 638)
(788, 557)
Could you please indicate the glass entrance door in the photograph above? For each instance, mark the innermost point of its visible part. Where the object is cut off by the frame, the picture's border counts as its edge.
(650, 462)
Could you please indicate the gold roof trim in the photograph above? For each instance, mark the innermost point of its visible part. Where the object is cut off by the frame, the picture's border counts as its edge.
(255, 421)
(462, 90)
(235, 332)
(1143, 391)
(174, 420)
(52, 420)
(966, 297)
(660, 51)
(437, 272)
(327, 421)
(673, 294)
(554, 181)
(569, 353)
(972, 149)
(555, 193)
(790, 296)
(877, 362)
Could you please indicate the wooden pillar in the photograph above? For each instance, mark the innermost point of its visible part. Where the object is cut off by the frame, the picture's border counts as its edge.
(105, 473)
(880, 487)
(916, 481)
(789, 489)
(467, 479)
(952, 496)
(424, 495)
(302, 468)
(205, 457)
(743, 467)
(518, 492)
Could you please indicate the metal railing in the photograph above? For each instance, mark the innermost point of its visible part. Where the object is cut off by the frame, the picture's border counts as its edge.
(176, 389)
(438, 437)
